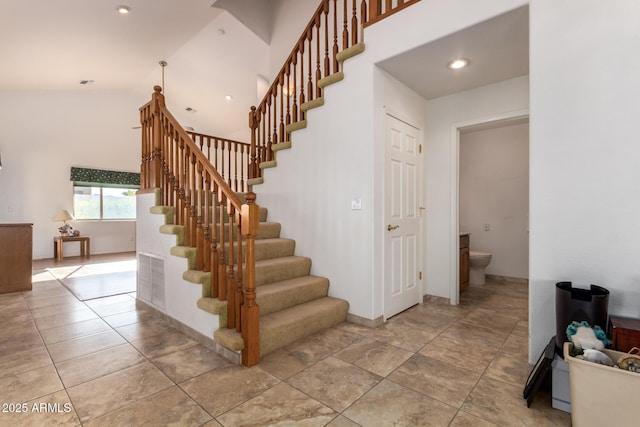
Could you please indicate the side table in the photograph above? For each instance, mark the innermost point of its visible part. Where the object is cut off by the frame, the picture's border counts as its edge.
(85, 246)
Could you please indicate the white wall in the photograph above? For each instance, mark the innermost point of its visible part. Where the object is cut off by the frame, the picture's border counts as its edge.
(338, 158)
(43, 135)
(585, 196)
(494, 190)
(444, 116)
(289, 18)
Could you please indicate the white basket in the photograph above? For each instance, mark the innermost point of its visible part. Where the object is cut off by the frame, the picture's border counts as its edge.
(602, 395)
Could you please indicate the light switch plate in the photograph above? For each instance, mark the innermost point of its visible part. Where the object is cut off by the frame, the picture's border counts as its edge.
(356, 204)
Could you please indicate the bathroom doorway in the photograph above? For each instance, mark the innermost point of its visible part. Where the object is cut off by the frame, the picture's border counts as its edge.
(493, 193)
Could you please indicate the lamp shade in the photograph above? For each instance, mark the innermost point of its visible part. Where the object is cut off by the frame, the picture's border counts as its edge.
(63, 215)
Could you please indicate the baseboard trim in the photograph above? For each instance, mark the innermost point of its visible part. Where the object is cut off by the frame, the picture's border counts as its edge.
(497, 278)
(432, 299)
(234, 357)
(363, 321)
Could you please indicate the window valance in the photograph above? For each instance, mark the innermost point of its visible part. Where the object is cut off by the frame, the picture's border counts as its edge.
(85, 177)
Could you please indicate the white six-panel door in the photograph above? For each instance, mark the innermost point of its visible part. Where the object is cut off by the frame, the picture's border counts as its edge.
(402, 216)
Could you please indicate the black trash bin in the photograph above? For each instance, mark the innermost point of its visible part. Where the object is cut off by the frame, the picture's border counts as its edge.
(576, 304)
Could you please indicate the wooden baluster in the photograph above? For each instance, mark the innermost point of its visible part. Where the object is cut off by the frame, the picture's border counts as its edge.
(199, 217)
(231, 280)
(310, 95)
(363, 12)
(282, 96)
(228, 143)
(274, 136)
(215, 239)
(235, 167)
(215, 153)
(239, 285)
(318, 71)
(289, 92)
(253, 125)
(250, 311)
(389, 6)
(194, 202)
(327, 68)
(209, 148)
(294, 107)
(179, 184)
(345, 31)
(302, 97)
(158, 101)
(222, 274)
(270, 135)
(244, 170)
(335, 37)
(354, 25)
(375, 7)
(206, 221)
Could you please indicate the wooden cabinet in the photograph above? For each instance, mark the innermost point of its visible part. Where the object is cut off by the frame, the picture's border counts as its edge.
(625, 333)
(464, 262)
(16, 246)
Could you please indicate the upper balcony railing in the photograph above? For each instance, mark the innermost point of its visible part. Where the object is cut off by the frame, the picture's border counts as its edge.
(336, 25)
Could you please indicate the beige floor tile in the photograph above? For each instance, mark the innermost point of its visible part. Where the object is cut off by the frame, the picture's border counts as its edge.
(74, 330)
(25, 360)
(212, 423)
(374, 356)
(167, 407)
(29, 385)
(517, 345)
(35, 303)
(143, 329)
(390, 404)
(105, 394)
(189, 363)
(279, 406)
(509, 368)
(342, 421)
(12, 298)
(491, 319)
(19, 338)
(402, 336)
(129, 304)
(475, 335)
(522, 328)
(62, 319)
(221, 389)
(129, 318)
(163, 343)
(334, 382)
(459, 353)
(463, 419)
(101, 302)
(502, 404)
(52, 310)
(51, 410)
(424, 319)
(84, 345)
(439, 380)
(95, 365)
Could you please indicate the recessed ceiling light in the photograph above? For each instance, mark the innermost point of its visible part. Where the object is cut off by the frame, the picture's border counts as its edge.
(86, 82)
(123, 9)
(228, 97)
(456, 64)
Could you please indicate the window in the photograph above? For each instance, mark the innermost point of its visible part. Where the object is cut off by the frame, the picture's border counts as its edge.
(102, 194)
(104, 203)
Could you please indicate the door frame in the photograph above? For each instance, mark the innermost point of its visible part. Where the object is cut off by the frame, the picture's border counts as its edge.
(454, 273)
(421, 225)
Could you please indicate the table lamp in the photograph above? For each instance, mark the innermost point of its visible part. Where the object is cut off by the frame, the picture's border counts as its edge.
(64, 216)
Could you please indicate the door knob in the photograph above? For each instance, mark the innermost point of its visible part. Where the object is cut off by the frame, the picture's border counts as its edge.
(392, 227)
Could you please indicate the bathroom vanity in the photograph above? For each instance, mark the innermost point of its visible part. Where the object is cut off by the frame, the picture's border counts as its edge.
(464, 261)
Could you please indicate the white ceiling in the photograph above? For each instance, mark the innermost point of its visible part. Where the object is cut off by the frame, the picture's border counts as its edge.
(54, 44)
(497, 48)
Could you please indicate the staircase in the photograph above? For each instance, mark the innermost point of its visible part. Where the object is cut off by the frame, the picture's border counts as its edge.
(293, 304)
(251, 278)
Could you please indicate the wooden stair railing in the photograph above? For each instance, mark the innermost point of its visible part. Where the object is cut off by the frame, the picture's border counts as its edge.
(335, 26)
(173, 162)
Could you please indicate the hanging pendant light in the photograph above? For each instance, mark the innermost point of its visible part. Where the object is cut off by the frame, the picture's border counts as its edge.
(163, 64)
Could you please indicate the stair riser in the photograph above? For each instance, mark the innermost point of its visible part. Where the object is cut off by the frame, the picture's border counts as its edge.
(275, 273)
(272, 298)
(267, 249)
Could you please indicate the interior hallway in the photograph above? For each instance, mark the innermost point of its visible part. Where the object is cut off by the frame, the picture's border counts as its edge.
(114, 364)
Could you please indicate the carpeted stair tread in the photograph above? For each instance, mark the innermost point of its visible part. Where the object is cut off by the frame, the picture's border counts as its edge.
(284, 268)
(268, 230)
(263, 212)
(268, 248)
(286, 326)
(287, 293)
(229, 338)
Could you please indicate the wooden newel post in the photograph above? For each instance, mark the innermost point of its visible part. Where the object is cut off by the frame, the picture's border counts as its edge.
(253, 163)
(156, 153)
(250, 311)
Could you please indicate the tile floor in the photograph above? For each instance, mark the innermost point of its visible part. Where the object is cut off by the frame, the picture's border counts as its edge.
(105, 362)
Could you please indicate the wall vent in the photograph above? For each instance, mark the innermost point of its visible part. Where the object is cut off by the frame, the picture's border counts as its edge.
(151, 279)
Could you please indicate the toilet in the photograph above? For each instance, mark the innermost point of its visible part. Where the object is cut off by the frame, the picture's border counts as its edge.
(478, 262)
